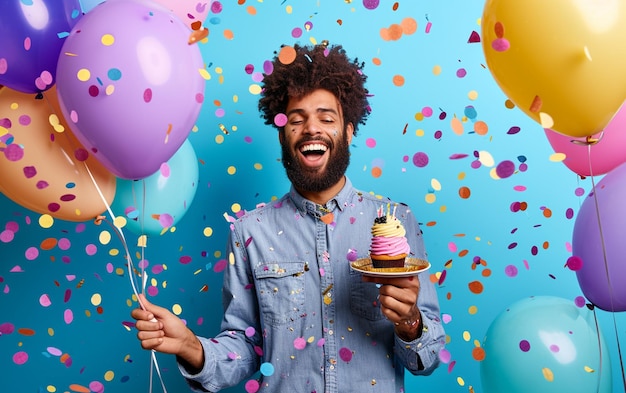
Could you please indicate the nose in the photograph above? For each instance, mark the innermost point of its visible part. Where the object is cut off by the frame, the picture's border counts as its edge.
(312, 127)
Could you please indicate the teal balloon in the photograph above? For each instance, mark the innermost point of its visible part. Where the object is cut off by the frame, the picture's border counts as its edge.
(545, 344)
(157, 202)
(88, 5)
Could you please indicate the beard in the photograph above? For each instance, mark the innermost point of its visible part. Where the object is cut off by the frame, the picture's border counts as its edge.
(313, 180)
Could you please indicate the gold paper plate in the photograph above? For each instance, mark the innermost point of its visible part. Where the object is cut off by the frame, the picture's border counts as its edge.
(412, 267)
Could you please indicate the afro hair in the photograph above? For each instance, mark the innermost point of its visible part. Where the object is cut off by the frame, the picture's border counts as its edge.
(316, 67)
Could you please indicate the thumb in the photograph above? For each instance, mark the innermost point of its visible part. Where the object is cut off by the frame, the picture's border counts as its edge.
(151, 308)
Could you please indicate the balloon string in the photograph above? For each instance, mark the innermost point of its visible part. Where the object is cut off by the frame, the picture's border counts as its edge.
(131, 273)
(606, 268)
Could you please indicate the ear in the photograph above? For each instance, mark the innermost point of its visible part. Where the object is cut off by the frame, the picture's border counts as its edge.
(281, 135)
(349, 132)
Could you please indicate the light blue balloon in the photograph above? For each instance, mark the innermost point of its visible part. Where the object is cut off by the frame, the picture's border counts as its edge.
(157, 202)
(545, 344)
(87, 5)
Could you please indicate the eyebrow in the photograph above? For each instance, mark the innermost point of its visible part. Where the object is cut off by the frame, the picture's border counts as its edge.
(318, 110)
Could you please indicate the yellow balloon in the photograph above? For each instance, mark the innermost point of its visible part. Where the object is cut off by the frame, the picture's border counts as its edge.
(562, 62)
(43, 167)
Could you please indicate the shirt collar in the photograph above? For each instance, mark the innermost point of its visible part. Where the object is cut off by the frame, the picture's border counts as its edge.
(339, 201)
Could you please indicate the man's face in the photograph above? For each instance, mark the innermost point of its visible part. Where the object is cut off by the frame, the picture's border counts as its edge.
(315, 143)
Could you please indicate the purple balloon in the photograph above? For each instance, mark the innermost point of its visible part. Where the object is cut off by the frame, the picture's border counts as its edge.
(592, 240)
(129, 85)
(32, 33)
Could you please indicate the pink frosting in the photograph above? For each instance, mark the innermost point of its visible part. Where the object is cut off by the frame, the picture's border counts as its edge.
(389, 245)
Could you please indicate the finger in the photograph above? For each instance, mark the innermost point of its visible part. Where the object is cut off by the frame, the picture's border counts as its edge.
(390, 314)
(140, 314)
(148, 325)
(401, 295)
(151, 343)
(403, 282)
(157, 311)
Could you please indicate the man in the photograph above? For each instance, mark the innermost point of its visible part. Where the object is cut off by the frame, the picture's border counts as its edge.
(292, 303)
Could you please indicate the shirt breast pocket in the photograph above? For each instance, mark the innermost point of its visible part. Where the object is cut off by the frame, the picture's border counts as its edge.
(364, 298)
(280, 289)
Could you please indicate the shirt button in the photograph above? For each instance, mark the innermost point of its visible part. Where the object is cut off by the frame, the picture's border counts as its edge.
(330, 332)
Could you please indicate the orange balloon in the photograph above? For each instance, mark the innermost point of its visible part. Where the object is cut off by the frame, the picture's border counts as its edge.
(44, 168)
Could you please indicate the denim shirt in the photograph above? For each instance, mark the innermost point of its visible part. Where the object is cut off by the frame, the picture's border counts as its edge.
(296, 310)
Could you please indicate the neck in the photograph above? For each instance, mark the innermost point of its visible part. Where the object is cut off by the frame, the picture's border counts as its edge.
(321, 197)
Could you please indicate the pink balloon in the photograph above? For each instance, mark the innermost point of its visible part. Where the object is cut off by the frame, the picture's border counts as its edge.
(188, 11)
(129, 85)
(603, 156)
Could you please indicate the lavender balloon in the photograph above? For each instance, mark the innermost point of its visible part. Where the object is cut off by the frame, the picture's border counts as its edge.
(31, 36)
(129, 85)
(602, 279)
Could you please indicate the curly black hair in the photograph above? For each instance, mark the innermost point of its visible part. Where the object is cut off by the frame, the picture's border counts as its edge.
(316, 67)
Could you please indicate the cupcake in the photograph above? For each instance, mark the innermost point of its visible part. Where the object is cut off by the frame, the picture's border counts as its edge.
(389, 246)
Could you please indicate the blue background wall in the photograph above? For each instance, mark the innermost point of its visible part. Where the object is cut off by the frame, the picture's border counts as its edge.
(240, 169)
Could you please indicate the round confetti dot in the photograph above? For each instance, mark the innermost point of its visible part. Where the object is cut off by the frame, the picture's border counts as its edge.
(420, 159)
(296, 32)
(371, 4)
(500, 44)
(280, 120)
(114, 74)
(109, 375)
(20, 357)
(510, 271)
(7, 236)
(299, 343)
(478, 353)
(464, 192)
(377, 172)
(445, 356)
(44, 300)
(14, 152)
(370, 142)
(107, 39)
(287, 54)
(345, 354)
(267, 369)
(177, 309)
(481, 128)
(579, 301)
(91, 249)
(505, 169)
(252, 386)
(46, 221)
(574, 263)
(96, 299)
(7, 328)
(398, 80)
(64, 244)
(96, 386)
(31, 253)
(524, 345)
(475, 287)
